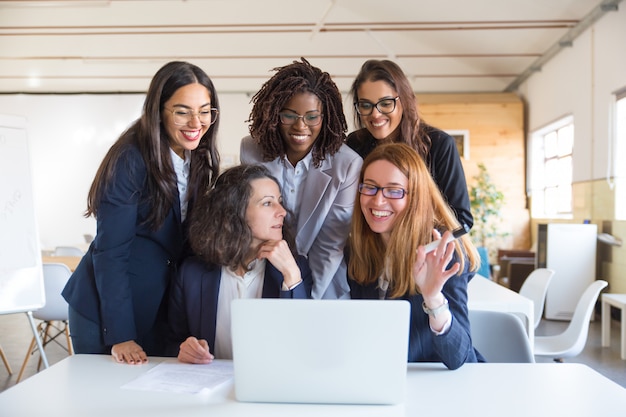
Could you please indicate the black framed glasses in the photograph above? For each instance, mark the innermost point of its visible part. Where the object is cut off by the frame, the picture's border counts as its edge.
(182, 116)
(312, 119)
(392, 193)
(384, 106)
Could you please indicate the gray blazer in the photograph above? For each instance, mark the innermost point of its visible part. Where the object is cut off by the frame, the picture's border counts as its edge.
(323, 223)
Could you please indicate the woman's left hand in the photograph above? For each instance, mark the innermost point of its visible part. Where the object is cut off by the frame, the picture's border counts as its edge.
(429, 272)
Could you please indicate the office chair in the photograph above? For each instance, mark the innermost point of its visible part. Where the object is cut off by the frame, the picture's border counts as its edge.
(535, 288)
(500, 337)
(53, 314)
(68, 251)
(572, 341)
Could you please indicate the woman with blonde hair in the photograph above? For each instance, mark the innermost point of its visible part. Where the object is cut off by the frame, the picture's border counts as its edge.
(401, 211)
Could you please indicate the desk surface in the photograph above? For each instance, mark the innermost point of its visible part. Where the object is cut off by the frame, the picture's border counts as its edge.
(484, 294)
(89, 385)
(70, 261)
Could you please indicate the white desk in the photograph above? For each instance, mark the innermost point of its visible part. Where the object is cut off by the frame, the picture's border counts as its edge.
(89, 385)
(618, 301)
(484, 294)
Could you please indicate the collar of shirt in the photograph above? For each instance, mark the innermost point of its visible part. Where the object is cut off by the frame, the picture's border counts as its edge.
(292, 181)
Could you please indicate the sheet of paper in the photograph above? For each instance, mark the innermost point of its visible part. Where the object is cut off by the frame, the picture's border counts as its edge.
(186, 378)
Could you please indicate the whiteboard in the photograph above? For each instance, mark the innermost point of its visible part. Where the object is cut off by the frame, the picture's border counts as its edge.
(21, 276)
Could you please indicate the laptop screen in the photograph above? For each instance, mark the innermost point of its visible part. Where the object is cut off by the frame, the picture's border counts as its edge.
(320, 351)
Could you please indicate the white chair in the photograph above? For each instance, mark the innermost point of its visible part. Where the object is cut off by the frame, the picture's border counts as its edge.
(68, 251)
(53, 314)
(572, 341)
(535, 288)
(500, 337)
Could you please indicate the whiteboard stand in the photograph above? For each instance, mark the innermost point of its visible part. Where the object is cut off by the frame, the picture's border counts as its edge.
(42, 352)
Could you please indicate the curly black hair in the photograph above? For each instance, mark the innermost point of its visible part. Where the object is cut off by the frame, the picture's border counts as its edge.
(298, 77)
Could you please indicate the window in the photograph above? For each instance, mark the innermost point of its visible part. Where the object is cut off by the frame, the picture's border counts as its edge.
(551, 169)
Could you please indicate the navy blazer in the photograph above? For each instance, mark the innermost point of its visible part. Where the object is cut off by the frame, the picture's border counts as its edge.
(453, 348)
(194, 297)
(121, 281)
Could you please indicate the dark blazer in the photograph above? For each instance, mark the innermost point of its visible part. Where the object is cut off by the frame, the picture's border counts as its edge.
(194, 297)
(453, 348)
(121, 281)
(443, 162)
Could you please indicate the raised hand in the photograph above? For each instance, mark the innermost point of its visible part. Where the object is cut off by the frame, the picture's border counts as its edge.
(429, 272)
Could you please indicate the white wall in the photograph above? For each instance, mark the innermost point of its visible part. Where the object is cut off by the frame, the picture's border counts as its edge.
(581, 80)
(70, 134)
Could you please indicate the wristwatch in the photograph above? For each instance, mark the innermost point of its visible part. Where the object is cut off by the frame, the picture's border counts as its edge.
(437, 310)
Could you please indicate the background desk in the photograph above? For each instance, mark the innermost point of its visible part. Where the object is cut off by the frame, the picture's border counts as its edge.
(484, 294)
(89, 385)
(70, 261)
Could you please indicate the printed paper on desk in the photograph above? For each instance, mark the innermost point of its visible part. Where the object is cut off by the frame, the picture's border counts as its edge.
(180, 377)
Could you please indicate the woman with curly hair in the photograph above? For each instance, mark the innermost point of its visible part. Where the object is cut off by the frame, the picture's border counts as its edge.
(238, 231)
(297, 131)
(141, 196)
(400, 211)
(386, 112)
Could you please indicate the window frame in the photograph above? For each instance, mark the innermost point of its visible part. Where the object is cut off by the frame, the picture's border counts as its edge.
(540, 187)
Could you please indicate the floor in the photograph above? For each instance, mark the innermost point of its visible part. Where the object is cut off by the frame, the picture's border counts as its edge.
(15, 336)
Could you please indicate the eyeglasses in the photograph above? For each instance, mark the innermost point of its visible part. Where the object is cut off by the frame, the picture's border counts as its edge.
(182, 116)
(384, 106)
(308, 119)
(392, 193)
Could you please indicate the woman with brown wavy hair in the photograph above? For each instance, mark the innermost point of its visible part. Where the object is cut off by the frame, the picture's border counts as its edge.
(239, 233)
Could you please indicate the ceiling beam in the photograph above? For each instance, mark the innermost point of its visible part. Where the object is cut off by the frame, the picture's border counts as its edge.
(566, 41)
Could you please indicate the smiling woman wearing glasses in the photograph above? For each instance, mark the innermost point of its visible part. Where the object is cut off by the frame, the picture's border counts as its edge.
(297, 130)
(386, 112)
(400, 210)
(141, 196)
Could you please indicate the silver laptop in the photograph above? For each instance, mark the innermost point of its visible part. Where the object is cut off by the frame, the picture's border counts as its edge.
(320, 351)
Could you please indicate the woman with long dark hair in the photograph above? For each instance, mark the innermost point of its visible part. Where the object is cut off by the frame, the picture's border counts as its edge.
(386, 112)
(141, 196)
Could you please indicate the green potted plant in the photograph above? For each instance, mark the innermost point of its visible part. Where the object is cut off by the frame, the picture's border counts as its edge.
(486, 203)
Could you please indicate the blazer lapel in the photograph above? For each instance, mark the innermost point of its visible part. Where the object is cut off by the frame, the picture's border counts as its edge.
(272, 282)
(317, 182)
(208, 304)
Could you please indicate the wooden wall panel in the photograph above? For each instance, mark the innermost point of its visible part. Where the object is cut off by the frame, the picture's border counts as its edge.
(496, 138)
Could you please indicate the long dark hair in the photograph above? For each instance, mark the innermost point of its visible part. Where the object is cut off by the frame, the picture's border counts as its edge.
(412, 130)
(218, 230)
(149, 135)
(292, 79)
